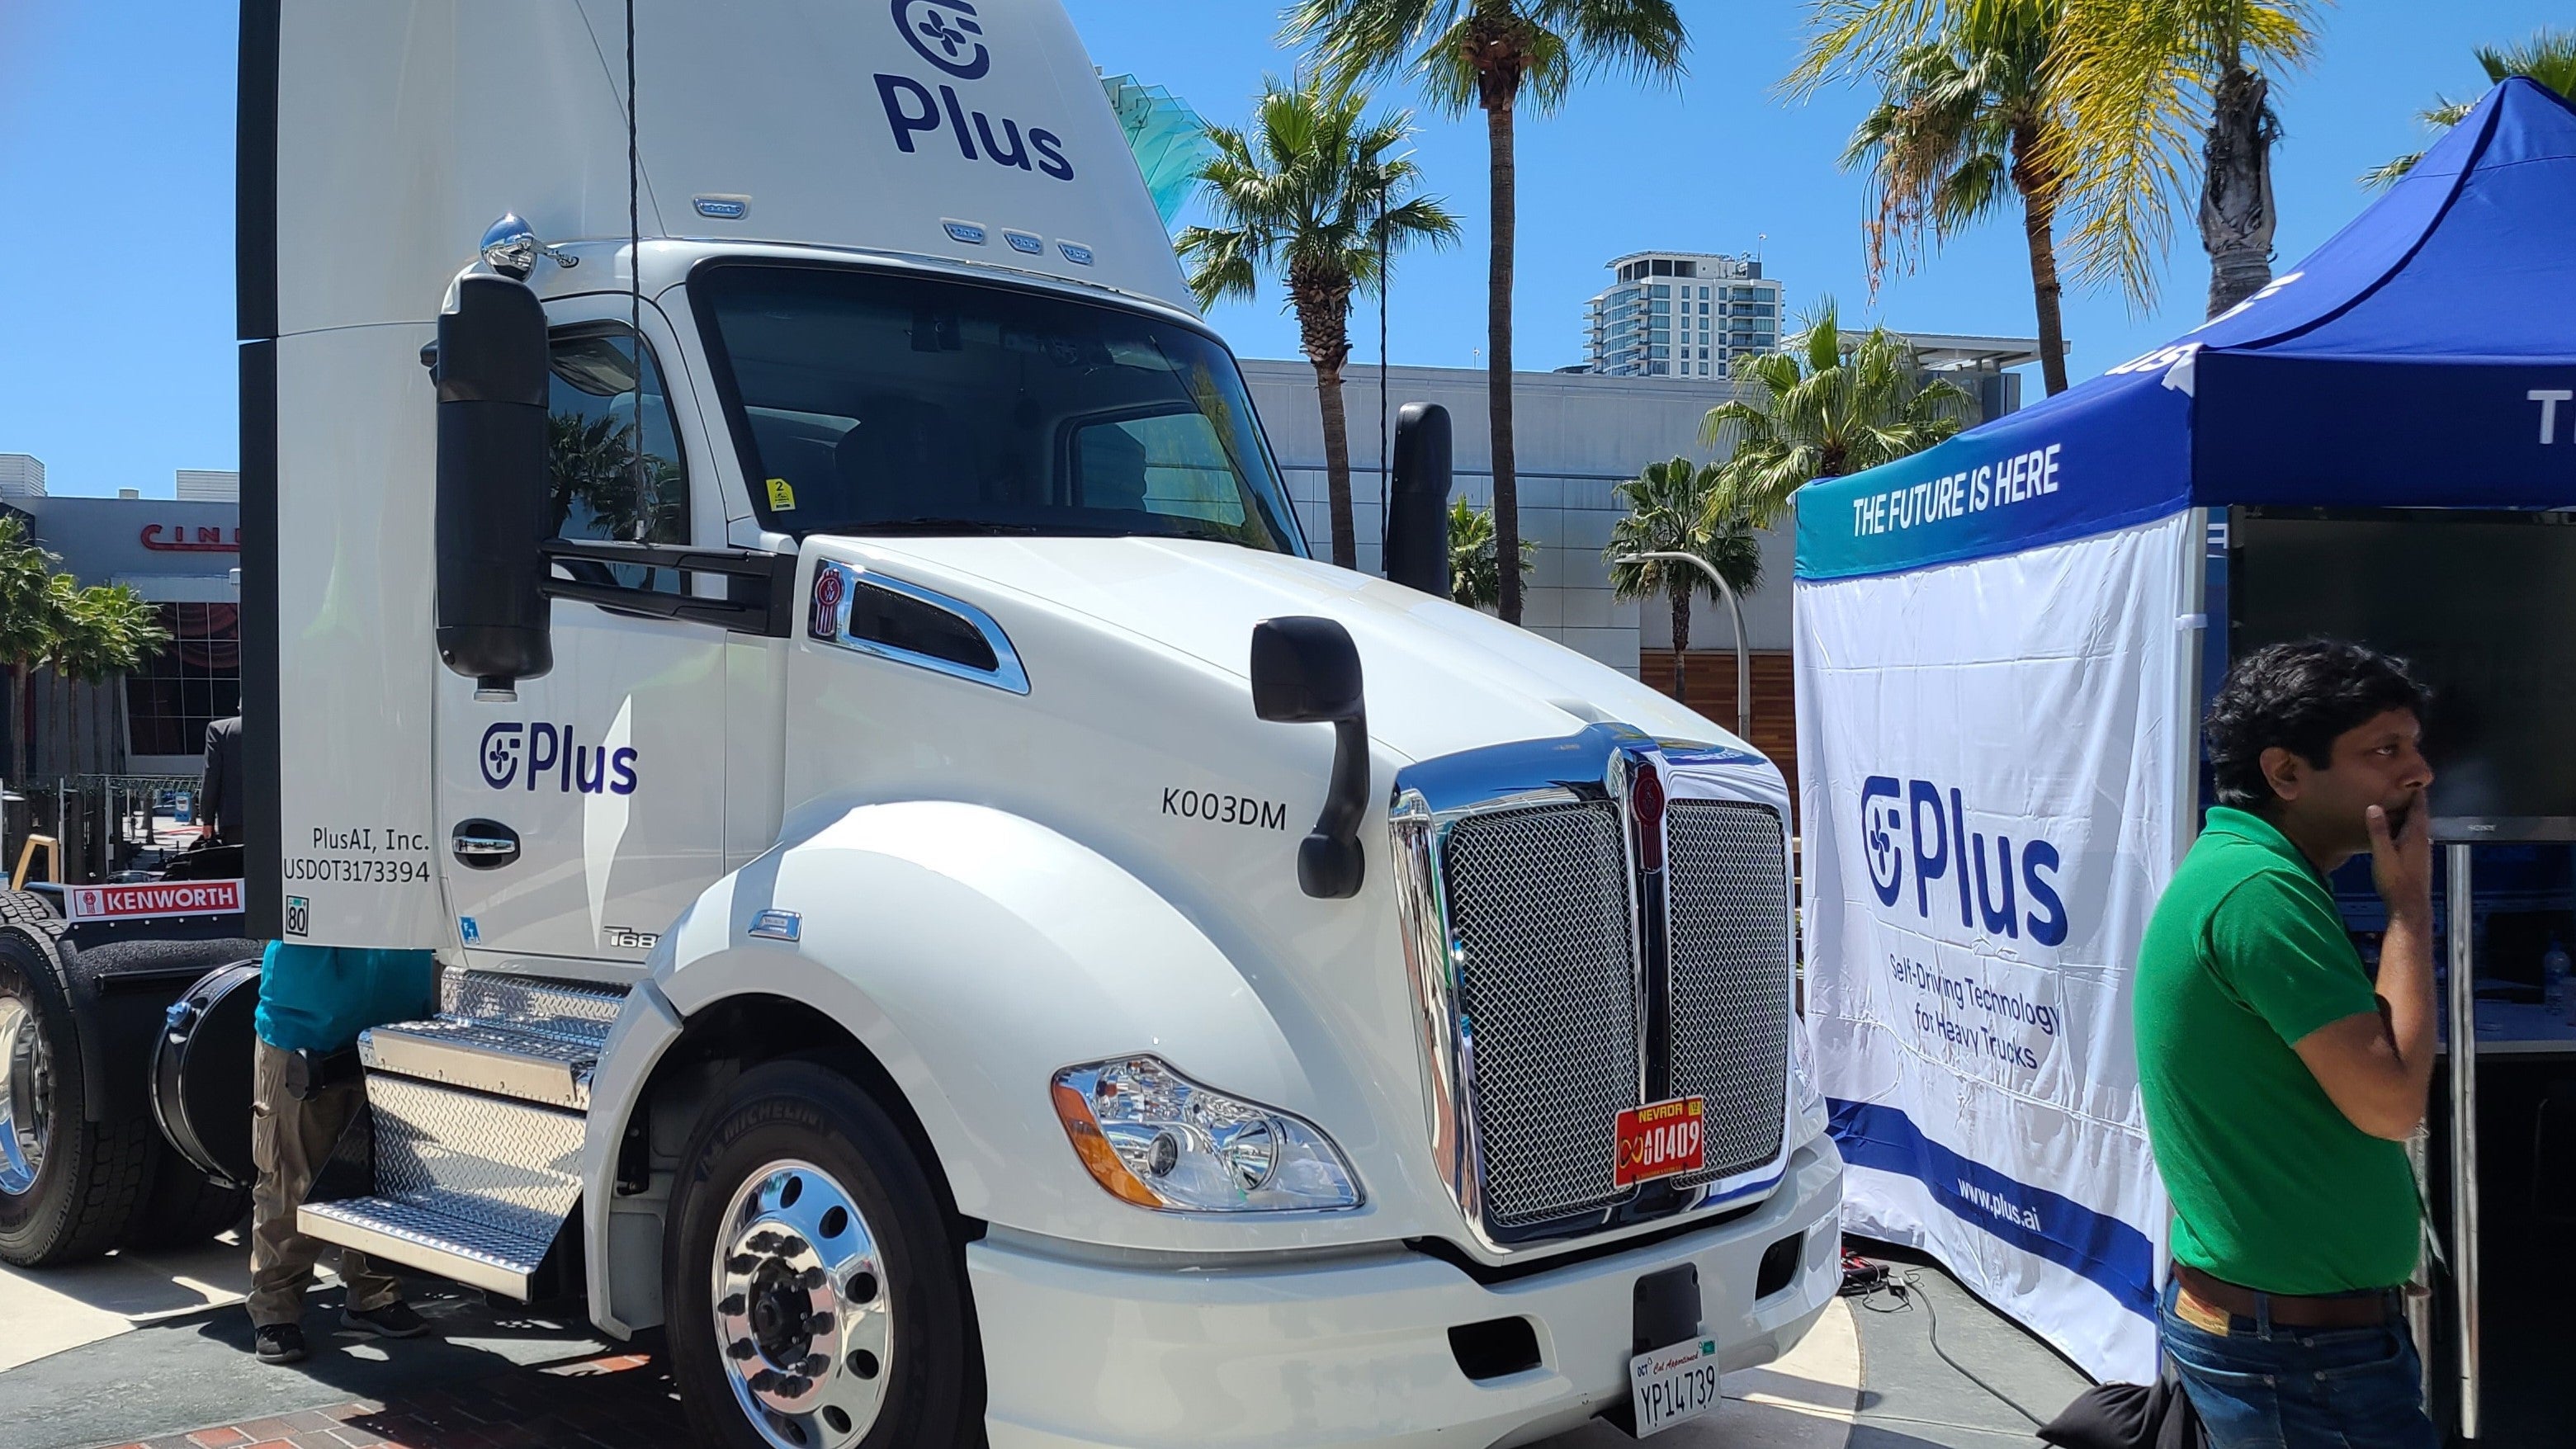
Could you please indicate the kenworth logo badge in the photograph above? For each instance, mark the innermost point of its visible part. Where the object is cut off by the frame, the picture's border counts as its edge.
(947, 34)
(546, 754)
(829, 589)
(1917, 823)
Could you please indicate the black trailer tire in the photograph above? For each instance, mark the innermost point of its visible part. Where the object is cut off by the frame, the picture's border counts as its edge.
(185, 1207)
(70, 1189)
(799, 1177)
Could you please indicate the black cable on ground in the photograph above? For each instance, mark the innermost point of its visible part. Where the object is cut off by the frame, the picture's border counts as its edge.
(1881, 1289)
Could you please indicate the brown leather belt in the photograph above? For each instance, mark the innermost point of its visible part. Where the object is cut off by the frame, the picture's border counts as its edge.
(2291, 1310)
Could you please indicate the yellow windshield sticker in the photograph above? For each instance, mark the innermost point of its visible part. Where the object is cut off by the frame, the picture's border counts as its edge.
(782, 495)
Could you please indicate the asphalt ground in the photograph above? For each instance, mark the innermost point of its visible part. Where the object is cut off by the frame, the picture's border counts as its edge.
(501, 1376)
(539, 1380)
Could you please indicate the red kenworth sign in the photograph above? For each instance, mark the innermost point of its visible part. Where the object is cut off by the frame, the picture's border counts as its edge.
(154, 898)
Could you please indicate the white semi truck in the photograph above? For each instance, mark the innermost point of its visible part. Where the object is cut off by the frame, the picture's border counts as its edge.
(945, 911)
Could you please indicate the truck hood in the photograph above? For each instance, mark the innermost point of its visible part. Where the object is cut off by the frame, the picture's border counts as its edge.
(1440, 678)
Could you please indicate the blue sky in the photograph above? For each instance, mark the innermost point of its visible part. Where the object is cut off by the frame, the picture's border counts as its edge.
(116, 353)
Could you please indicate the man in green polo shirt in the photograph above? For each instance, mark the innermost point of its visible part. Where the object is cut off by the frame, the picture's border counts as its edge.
(2280, 1083)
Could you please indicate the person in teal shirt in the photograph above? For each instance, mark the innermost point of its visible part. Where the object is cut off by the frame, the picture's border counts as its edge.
(314, 1000)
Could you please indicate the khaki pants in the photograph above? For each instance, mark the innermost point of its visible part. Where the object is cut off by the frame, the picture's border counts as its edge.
(290, 1140)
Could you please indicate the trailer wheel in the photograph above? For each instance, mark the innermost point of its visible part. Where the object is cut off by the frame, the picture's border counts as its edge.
(816, 1292)
(69, 1188)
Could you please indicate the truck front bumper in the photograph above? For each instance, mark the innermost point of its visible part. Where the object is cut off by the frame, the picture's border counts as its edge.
(1356, 1351)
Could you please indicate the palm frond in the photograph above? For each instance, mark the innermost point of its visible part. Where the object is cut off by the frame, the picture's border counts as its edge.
(2549, 57)
(1308, 192)
(1829, 403)
(2136, 78)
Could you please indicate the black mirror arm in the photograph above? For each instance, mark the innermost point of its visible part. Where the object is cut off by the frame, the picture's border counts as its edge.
(1330, 864)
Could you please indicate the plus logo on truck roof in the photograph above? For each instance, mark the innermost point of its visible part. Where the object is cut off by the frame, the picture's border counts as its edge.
(947, 34)
(943, 32)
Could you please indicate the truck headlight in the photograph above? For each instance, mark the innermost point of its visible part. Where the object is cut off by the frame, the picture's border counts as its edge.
(1155, 1138)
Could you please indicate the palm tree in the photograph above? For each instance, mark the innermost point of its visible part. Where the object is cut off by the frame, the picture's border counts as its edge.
(2137, 82)
(1494, 55)
(1825, 406)
(2139, 79)
(63, 599)
(1670, 510)
(112, 629)
(2549, 57)
(1475, 580)
(1313, 195)
(29, 623)
(1967, 123)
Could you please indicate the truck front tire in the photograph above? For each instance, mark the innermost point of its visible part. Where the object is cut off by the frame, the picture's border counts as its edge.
(816, 1290)
(70, 1188)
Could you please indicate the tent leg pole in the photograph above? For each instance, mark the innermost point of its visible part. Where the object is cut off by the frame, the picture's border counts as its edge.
(2464, 1133)
(2420, 1309)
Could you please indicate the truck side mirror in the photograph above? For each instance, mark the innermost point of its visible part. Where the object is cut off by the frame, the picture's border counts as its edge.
(491, 370)
(1417, 516)
(1307, 671)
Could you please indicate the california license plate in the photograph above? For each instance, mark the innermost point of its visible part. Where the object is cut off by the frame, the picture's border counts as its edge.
(1670, 1385)
(1660, 1139)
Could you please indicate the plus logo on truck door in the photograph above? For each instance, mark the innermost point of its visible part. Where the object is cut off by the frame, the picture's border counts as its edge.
(548, 755)
(947, 34)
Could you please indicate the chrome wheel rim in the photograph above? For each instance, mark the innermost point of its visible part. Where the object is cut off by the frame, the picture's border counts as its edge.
(804, 1320)
(26, 1096)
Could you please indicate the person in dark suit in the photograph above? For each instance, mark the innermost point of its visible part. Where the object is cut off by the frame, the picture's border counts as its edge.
(223, 793)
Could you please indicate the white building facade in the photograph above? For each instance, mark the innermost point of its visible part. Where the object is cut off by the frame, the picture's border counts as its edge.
(1681, 314)
(1577, 436)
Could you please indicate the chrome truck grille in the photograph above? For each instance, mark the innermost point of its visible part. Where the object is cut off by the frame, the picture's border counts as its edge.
(1547, 998)
(1588, 931)
(1730, 945)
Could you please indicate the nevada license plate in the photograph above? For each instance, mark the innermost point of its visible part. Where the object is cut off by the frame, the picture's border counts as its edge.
(1669, 1385)
(1660, 1139)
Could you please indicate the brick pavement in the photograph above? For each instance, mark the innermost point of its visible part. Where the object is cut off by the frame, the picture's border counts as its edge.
(621, 1401)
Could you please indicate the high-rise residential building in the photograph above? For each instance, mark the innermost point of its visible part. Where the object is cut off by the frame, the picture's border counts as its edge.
(1682, 314)
(21, 476)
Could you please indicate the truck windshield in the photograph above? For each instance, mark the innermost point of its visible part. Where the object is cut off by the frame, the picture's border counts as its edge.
(890, 403)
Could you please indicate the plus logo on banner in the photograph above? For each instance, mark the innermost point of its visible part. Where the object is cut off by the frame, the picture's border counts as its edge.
(1917, 823)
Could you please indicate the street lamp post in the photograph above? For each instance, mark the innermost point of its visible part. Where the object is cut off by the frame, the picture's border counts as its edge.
(1743, 660)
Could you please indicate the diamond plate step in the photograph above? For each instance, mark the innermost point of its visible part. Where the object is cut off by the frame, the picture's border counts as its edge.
(553, 1071)
(581, 1011)
(435, 1236)
(467, 1184)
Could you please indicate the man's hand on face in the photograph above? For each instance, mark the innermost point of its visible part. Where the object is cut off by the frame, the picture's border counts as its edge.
(2401, 863)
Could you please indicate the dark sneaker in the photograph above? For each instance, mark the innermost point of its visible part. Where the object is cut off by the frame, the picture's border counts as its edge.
(280, 1343)
(394, 1320)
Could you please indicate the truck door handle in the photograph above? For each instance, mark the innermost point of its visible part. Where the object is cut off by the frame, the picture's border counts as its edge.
(484, 844)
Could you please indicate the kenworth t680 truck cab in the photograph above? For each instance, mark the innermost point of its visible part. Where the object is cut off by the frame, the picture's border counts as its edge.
(946, 911)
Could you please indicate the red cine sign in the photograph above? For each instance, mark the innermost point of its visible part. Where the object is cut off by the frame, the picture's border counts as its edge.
(153, 898)
(1660, 1139)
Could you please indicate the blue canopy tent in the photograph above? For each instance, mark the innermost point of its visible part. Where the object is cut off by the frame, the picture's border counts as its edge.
(2410, 361)
(1997, 673)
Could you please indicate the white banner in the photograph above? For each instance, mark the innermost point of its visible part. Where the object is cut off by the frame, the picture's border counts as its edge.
(1990, 756)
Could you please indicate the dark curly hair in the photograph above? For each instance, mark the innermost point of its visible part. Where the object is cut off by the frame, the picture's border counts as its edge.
(2300, 697)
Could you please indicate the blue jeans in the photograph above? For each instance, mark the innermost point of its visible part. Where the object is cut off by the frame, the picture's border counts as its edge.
(2264, 1386)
